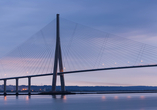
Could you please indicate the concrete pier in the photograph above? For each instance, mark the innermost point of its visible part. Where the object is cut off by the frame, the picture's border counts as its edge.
(17, 84)
(29, 85)
(62, 83)
(5, 83)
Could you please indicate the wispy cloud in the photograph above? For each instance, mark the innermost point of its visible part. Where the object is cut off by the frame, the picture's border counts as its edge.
(136, 20)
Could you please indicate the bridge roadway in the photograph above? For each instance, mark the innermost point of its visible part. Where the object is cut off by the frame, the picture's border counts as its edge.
(68, 72)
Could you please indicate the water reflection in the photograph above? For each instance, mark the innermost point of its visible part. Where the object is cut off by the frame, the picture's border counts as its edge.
(54, 96)
(17, 96)
(61, 97)
(142, 97)
(115, 97)
(28, 97)
(81, 102)
(5, 98)
(129, 97)
(103, 97)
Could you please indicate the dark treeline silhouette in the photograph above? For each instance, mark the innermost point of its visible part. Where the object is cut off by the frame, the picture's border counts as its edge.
(36, 88)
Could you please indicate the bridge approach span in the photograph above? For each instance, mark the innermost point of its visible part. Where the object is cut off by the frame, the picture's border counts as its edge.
(81, 71)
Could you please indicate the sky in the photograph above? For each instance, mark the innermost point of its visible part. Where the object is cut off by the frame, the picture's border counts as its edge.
(132, 19)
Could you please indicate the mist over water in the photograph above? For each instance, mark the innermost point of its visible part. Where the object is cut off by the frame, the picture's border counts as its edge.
(139, 101)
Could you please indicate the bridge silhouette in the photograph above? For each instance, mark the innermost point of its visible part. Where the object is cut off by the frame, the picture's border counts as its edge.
(76, 49)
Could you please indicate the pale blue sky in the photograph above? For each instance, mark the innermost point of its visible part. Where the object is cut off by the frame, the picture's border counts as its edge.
(134, 19)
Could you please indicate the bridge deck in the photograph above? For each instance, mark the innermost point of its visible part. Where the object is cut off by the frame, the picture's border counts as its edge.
(79, 71)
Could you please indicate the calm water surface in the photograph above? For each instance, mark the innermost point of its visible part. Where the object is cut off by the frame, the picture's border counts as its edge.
(147, 101)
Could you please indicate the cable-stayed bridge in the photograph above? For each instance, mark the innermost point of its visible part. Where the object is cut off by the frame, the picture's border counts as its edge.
(64, 47)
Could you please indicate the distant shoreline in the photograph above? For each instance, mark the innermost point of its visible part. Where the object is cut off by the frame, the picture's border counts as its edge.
(80, 92)
(48, 88)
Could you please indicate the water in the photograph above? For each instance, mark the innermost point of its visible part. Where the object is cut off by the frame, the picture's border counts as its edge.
(147, 101)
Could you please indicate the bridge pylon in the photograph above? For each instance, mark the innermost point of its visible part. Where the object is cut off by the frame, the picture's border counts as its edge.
(58, 59)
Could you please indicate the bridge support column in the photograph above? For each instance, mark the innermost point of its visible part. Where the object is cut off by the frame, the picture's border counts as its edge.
(62, 83)
(58, 56)
(29, 85)
(17, 84)
(5, 83)
(61, 69)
